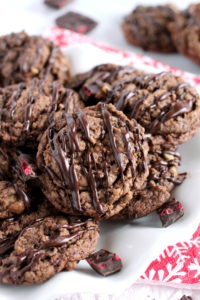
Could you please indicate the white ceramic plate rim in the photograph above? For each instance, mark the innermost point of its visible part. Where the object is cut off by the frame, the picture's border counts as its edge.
(137, 243)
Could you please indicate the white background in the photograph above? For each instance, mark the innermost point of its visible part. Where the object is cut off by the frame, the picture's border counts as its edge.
(35, 17)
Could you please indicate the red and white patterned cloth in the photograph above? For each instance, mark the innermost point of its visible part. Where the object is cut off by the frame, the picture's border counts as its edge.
(180, 263)
(64, 38)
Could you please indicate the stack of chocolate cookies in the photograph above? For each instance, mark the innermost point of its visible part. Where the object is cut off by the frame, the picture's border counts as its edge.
(165, 29)
(78, 150)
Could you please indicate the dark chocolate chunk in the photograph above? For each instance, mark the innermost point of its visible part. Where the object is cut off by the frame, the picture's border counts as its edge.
(170, 212)
(56, 3)
(104, 262)
(186, 297)
(76, 22)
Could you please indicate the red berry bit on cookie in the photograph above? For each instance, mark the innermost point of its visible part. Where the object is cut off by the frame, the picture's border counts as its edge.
(104, 262)
(27, 167)
(170, 212)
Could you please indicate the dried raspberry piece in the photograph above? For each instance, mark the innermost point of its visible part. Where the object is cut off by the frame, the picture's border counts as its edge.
(27, 170)
(104, 262)
(170, 212)
(87, 91)
(25, 167)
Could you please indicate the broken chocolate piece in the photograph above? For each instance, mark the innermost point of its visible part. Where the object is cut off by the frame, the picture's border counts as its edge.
(170, 212)
(104, 262)
(186, 297)
(56, 3)
(76, 22)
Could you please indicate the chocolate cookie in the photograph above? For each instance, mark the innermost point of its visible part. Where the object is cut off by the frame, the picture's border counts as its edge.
(28, 108)
(146, 27)
(23, 57)
(94, 163)
(166, 106)
(185, 31)
(163, 177)
(94, 85)
(46, 247)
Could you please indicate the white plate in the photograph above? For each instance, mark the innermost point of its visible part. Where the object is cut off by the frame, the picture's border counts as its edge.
(138, 242)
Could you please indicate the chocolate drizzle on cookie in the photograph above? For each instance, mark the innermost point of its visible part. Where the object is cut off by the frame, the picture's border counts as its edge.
(15, 96)
(90, 175)
(54, 103)
(28, 113)
(176, 110)
(109, 128)
(31, 100)
(66, 165)
(28, 107)
(67, 170)
(142, 83)
(66, 97)
(26, 260)
(84, 123)
(129, 152)
(7, 244)
(22, 195)
(65, 150)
